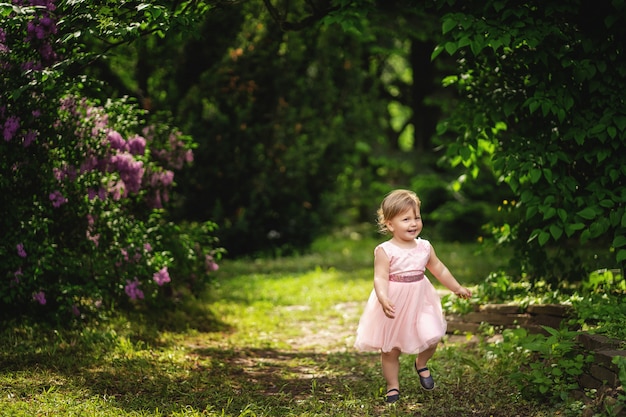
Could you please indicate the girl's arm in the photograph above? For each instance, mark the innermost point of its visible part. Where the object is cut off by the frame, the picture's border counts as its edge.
(441, 272)
(381, 282)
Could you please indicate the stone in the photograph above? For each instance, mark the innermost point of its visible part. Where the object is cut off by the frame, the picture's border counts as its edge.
(605, 375)
(605, 358)
(546, 320)
(596, 341)
(550, 309)
(589, 382)
(501, 308)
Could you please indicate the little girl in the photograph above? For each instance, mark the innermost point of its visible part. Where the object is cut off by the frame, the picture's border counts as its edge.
(403, 313)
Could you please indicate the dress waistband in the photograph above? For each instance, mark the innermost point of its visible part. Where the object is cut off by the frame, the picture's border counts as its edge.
(406, 278)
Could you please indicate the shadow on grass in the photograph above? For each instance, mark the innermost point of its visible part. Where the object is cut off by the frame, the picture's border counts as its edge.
(218, 381)
(268, 381)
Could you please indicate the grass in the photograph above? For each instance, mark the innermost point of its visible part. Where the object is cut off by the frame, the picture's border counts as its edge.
(272, 337)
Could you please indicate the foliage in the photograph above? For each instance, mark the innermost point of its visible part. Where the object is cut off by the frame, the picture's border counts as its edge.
(297, 130)
(540, 97)
(83, 183)
(550, 364)
(601, 313)
(620, 361)
(604, 280)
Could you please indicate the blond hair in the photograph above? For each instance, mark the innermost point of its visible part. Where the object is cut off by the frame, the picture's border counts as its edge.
(395, 203)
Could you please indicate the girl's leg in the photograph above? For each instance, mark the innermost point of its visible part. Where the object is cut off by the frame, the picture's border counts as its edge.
(422, 359)
(391, 368)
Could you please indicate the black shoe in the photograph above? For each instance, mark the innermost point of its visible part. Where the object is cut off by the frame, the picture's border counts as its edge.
(428, 383)
(392, 398)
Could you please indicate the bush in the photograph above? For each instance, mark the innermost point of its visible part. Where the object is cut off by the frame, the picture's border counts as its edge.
(84, 183)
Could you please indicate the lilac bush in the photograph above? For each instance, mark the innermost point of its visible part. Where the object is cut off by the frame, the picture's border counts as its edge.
(84, 184)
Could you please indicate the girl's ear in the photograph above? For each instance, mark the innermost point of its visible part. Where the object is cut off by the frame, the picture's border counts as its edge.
(389, 226)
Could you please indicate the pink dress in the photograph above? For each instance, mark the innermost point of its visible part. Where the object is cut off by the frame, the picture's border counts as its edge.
(419, 321)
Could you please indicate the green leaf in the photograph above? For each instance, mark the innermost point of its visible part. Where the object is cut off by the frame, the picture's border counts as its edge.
(547, 174)
(621, 255)
(587, 213)
(619, 241)
(477, 45)
(612, 131)
(535, 175)
(556, 231)
(570, 229)
(464, 41)
(531, 211)
(438, 50)
(543, 238)
(584, 236)
(534, 105)
(620, 121)
(450, 47)
(549, 213)
(607, 203)
(448, 24)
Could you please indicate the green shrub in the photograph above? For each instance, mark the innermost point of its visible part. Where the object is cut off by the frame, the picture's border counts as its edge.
(548, 365)
(83, 184)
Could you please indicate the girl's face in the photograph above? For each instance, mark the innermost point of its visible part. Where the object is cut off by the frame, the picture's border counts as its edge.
(406, 226)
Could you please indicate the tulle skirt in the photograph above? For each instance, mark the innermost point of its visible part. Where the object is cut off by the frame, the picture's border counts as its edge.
(418, 324)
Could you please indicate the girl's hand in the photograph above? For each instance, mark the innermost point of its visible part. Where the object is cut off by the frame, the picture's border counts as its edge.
(463, 293)
(388, 308)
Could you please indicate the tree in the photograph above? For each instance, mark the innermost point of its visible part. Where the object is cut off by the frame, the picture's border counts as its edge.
(541, 86)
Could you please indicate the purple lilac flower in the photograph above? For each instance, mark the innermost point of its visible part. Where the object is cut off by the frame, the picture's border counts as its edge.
(137, 145)
(116, 189)
(40, 297)
(132, 289)
(20, 250)
(66, 171)
(47, 53)
(116, 140)
(131, 171)
(89, 164)
(162, 276)
(154, 201)
(75, 310)
(3, 39)
(17, 275)
(57, 199)
(91, 193)
(32, 66)
(29, 138)
(69, 104)
(93, 238)
(164, 178)
(11, 125)
(147, 247)
(210, 264)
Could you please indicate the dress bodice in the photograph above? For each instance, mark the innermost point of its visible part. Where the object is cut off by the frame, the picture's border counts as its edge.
(403, 261)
